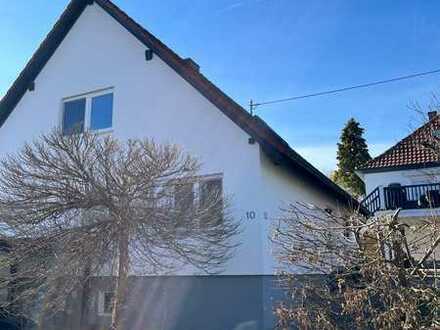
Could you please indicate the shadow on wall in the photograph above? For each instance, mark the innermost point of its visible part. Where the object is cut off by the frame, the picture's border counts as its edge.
(9, 322)
(179, 303)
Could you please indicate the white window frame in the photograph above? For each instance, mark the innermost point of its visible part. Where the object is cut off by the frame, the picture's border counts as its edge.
(88, 111)
(197, 183)
(207, 178)
(101, 303)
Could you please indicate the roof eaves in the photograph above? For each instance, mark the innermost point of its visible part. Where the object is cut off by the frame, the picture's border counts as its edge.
(417, 166)
(222, 101)
(375, 162)
(40, 58)
(296, 161)
(254, 127)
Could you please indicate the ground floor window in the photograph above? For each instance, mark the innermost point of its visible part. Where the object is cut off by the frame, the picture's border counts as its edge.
(105, 302)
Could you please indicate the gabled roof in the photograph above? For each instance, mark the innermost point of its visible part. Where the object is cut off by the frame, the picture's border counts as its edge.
(409, 153)
(271, 143)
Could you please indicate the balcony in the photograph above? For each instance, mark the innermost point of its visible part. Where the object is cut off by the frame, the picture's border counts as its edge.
(394, 196)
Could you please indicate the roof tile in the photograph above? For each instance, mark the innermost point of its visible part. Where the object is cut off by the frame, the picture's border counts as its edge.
(411, 151)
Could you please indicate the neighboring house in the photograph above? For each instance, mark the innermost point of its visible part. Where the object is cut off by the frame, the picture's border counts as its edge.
(407, 175)
(100, 69)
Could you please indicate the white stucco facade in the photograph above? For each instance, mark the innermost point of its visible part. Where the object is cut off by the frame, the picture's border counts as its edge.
(151, 100)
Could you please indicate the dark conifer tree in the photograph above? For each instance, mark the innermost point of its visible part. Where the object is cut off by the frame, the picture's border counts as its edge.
(352, 153)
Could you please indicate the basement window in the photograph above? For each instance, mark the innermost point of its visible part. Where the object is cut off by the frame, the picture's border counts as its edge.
(88, 112)
(105, 302)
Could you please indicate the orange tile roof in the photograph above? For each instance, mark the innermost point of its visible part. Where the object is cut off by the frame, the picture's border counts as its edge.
(411, 152)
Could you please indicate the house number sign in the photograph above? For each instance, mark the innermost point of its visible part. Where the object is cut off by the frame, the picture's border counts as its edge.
(252, 215)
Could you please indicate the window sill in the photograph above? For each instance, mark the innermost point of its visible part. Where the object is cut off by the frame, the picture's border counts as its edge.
(102, 131)
(105, 314)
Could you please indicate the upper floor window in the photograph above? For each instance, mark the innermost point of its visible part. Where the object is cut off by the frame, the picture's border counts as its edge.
(101, 116)
(92, 111)
(73, 116)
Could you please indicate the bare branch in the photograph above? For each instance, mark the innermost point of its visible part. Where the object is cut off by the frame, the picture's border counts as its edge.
(84, 204)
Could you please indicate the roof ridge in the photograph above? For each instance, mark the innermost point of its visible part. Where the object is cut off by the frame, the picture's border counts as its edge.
(273, 144)
(402, 141)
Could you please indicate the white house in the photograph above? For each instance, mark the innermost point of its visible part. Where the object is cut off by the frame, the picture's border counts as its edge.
(99, 67)
(407, 175)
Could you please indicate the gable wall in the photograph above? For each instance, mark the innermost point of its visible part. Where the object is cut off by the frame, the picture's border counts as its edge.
(151, 100)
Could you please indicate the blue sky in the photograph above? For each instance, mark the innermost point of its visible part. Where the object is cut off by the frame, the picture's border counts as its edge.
(266, 49)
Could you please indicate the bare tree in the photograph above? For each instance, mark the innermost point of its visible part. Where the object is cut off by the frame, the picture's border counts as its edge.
(346, 271)
(370, 273)
(81, 205)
